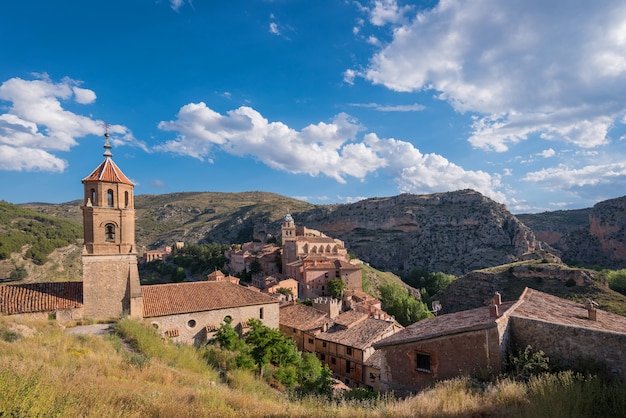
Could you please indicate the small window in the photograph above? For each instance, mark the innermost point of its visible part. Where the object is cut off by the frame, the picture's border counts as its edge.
(333, 360)
(93, 197)
(324, 344)
(348, 366)
(155, 325)
(228, 319)
(323, 357)
(423, 362)
(310, 340)
(109, 233)
(260, 313)
(110, 201)
(126, 199)
(191, 323)
(349, 351)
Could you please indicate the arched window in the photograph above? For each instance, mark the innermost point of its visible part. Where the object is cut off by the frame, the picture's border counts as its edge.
(92, 196)
(110, 198)
(109, 233)
(126, 199)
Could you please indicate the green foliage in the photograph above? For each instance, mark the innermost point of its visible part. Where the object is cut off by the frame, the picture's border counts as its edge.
(524, 364)
(255, 267)
(336, 287)
(617, 280)
(284, 291)
(228, 338)
(264, 348)
(199, 258)
(19, 273)
(42, 233)
(398, 302)
(270, 346)
(428, 283)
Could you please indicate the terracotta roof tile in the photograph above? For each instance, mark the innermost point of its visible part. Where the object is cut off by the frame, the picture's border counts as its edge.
(178, 298)
(302, 317)
(547, 308)
(108, 171)
(452, 323)
(40, 297)
(361, 335)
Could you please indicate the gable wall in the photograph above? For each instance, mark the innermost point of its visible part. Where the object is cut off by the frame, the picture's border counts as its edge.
(572, 345)
(450, 356)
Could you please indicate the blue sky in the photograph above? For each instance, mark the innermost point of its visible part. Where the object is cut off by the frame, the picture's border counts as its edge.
(324, 101)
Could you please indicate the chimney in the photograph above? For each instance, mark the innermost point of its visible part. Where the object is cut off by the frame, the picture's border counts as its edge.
(591, 309)
(497, 299)
(494, 311)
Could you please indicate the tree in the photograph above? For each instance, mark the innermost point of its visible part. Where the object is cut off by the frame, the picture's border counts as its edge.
(269, 346)
(228, 338)
(336, 287)
(398, 302)
(255, 267)
(284, 291)
(617, 280)
(428, 283)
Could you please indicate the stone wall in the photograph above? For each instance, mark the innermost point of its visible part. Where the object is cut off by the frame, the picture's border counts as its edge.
(466, 353)
(572, 346)
(106, 292)
(191, 328)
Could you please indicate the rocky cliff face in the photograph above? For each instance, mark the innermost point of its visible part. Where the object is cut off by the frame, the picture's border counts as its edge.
(453, 232)
(590, 237)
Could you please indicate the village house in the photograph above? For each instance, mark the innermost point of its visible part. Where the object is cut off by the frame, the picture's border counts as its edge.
(478, 340)
(158, 254)
(346, 346)
(241, 257)
(302, 324)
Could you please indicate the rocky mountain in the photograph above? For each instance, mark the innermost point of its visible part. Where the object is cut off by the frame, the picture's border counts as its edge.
(547, 274)
(589, 237)
(454, 232)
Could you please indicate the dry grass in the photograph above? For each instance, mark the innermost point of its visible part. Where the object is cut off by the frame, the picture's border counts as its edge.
(46, 372)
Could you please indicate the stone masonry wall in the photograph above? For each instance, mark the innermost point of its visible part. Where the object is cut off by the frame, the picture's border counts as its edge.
(105, 285)
(190, 327)
(572, 345)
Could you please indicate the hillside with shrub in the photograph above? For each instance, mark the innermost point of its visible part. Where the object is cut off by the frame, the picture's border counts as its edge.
(45, 371)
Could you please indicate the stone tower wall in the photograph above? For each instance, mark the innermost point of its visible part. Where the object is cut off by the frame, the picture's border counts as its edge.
(107, 286)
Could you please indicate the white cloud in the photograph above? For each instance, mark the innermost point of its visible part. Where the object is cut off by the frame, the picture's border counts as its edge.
(547, 153)
(348, 76)
(328, 149)
(388, 11)
(391, 108)
(564, 177)
(274, 28)
(522, 67)
(36, 123)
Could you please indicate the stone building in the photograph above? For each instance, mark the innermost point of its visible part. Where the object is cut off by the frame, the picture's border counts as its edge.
(192, 312)
(346, 346)
(302, 324)
(478, 340)
(314, 259)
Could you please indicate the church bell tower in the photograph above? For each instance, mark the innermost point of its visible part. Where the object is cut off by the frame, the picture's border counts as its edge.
(110, 276)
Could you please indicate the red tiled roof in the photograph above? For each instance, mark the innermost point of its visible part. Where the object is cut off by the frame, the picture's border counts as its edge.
(449, 324)
(543, 307)
(108, 171)
(360, 336)
(40, 297)
(533, 305)
(302, 317)
(178, 298)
